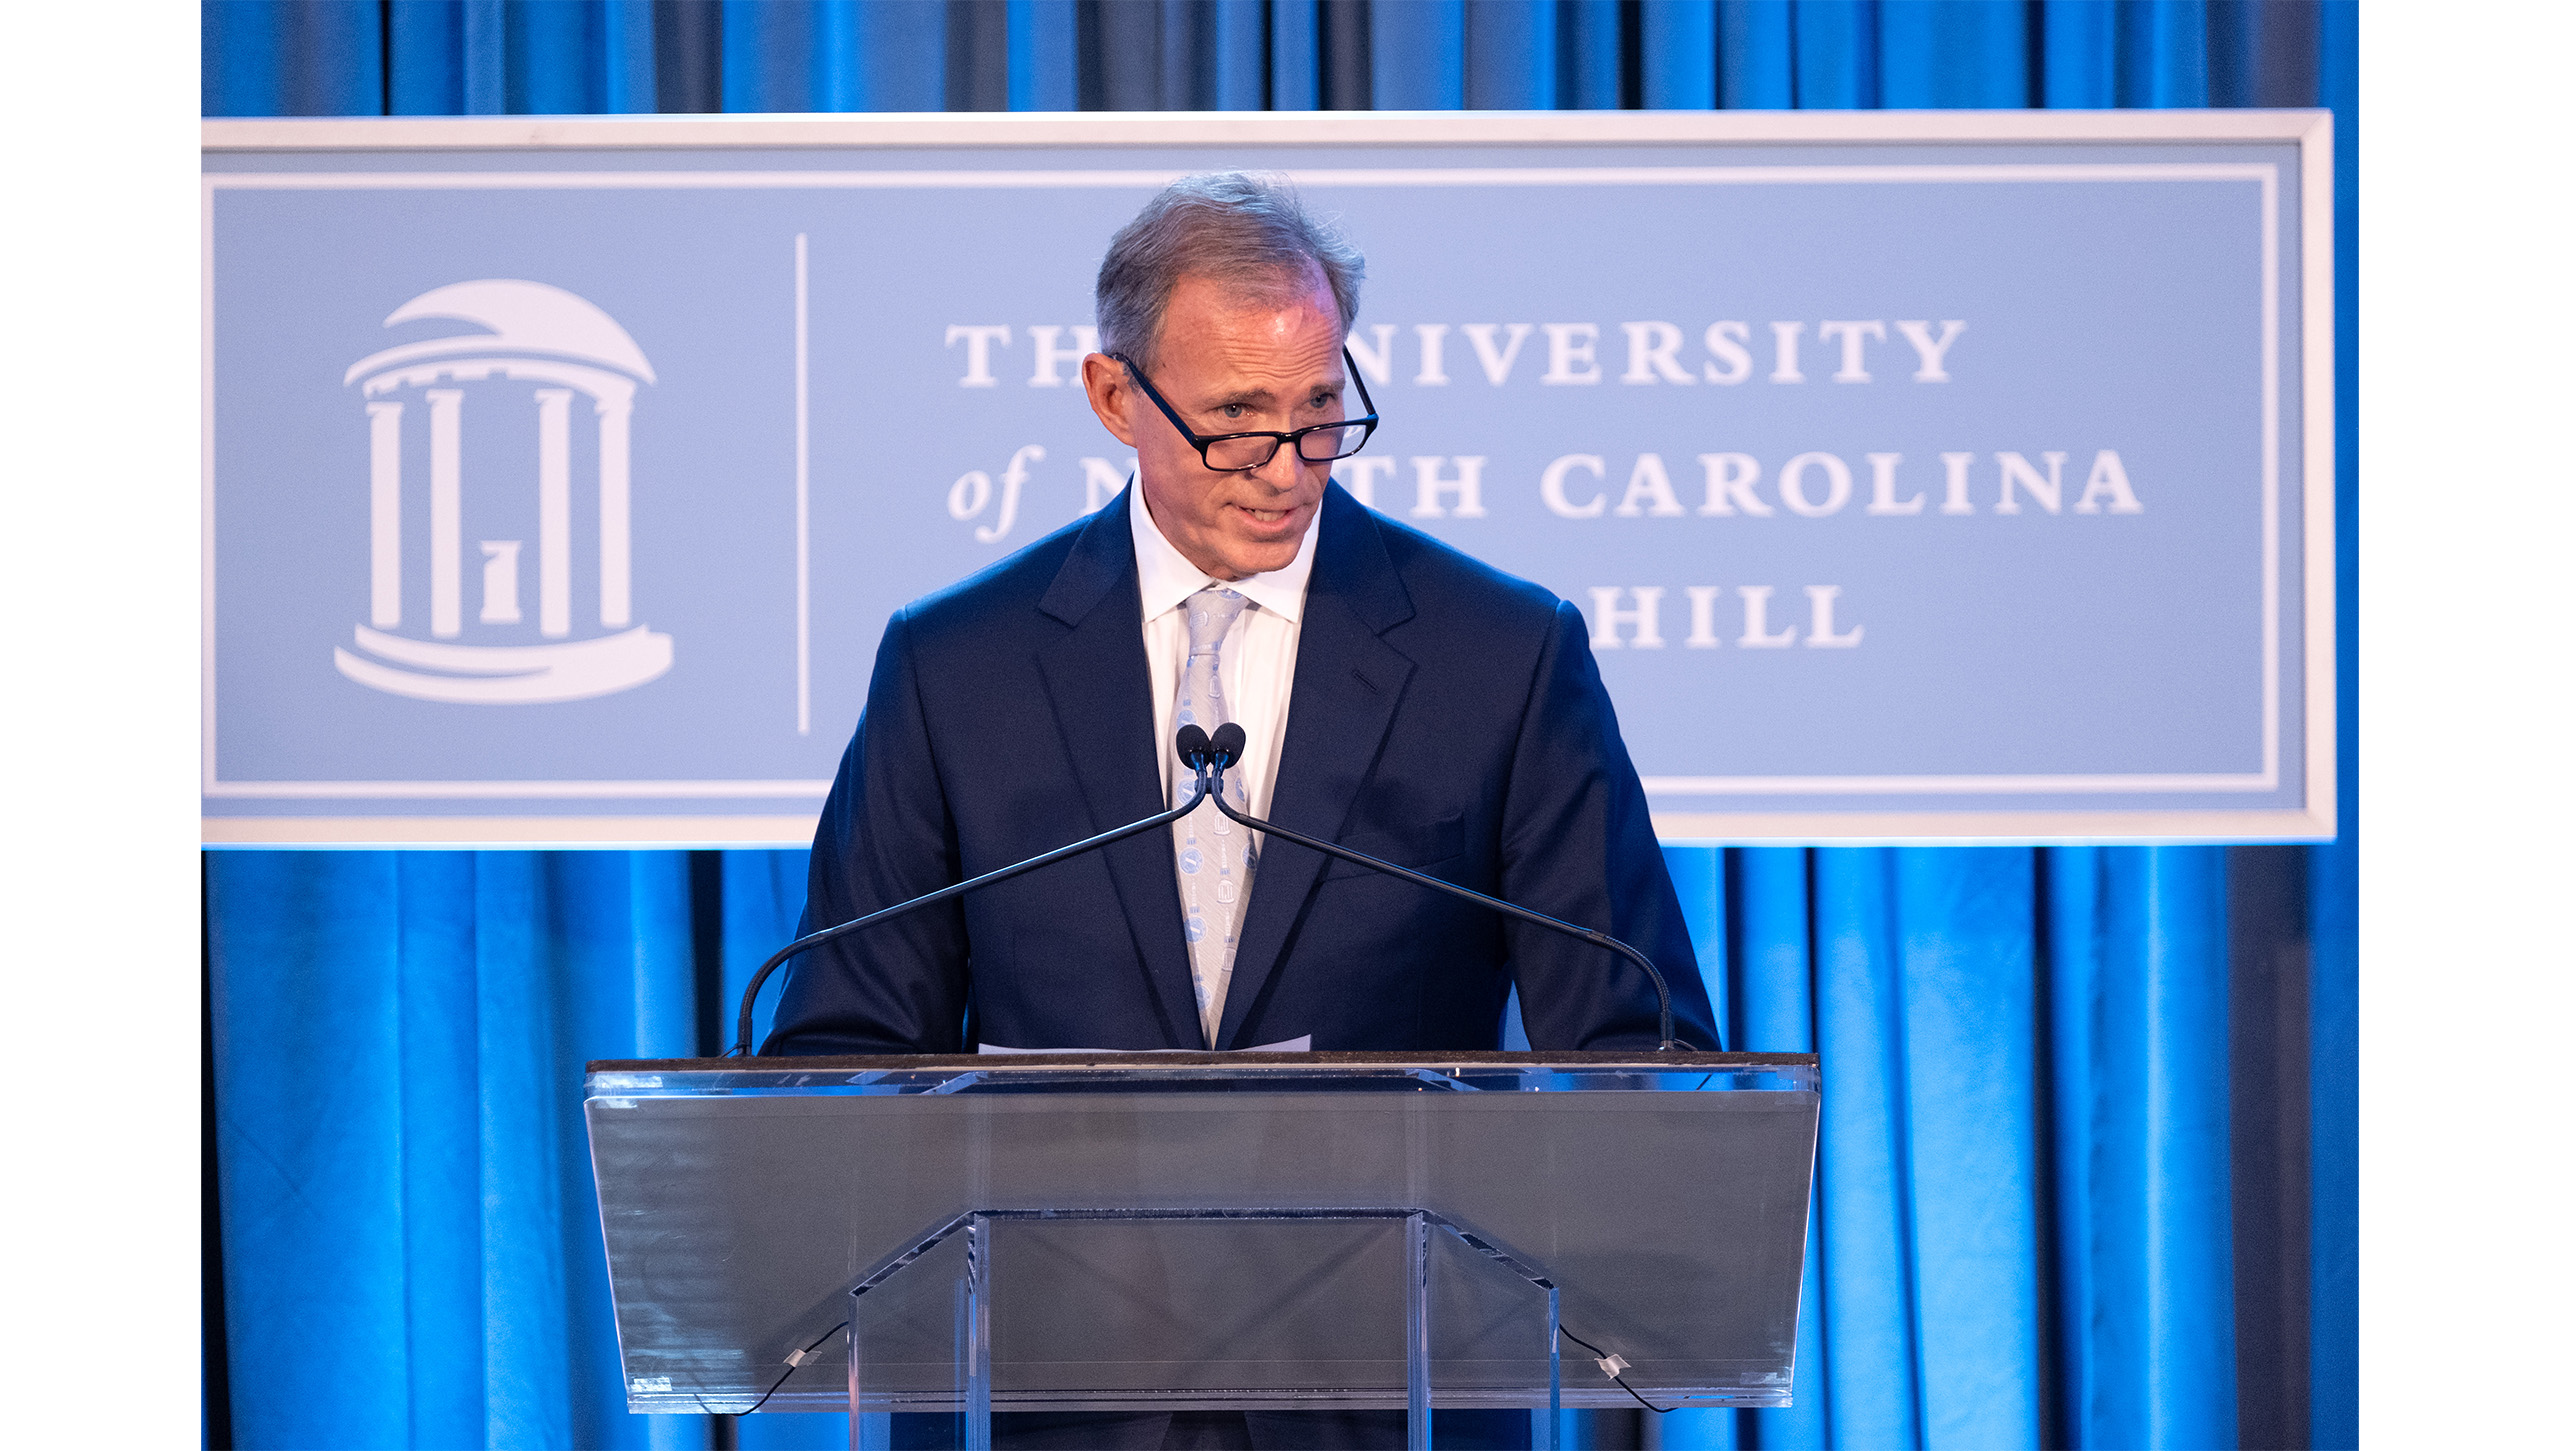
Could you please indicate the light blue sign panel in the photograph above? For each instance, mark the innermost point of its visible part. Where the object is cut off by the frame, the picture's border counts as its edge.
(1915, 481)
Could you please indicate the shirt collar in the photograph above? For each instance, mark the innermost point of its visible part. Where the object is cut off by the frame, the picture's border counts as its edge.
(1166, 578)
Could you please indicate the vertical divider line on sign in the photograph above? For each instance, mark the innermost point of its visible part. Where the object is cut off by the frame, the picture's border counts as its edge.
(800, 454)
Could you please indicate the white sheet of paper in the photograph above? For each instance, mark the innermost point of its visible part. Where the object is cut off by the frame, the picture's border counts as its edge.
(1304, 1043)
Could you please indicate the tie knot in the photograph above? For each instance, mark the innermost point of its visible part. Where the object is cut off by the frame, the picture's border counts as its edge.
(1210, 614)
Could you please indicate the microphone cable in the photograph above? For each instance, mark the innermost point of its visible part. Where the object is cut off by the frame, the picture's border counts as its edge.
(790, 1363)
(1610, 1365)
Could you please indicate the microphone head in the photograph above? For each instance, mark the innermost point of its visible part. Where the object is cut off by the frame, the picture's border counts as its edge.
(1191, 746)
(1227, 746)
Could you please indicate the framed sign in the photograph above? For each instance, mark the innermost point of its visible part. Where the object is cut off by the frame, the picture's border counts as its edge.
(1920, 476)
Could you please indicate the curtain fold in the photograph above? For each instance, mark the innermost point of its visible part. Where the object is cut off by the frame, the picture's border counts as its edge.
(1419, 61)
(2140, 1172)
(2331, 1032)
(1936, 54)
(1677, 41)
(408, 1217)
(2025, 1214)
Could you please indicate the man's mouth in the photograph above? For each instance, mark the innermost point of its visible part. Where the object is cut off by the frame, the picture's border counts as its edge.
(1264, 516)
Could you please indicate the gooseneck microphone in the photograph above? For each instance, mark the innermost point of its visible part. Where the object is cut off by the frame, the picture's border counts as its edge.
(1227, 746)
(1191, 745)
(1209, 758)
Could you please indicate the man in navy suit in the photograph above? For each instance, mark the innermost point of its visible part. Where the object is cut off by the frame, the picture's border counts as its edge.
(1397, 696)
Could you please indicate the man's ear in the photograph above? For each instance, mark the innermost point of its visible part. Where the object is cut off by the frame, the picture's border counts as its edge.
(1113, 396)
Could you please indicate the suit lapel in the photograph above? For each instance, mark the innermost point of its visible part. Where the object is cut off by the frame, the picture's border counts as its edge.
(1345, 694)
(1103, 703)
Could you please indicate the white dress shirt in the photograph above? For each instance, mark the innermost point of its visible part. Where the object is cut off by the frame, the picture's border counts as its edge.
(1257, 665)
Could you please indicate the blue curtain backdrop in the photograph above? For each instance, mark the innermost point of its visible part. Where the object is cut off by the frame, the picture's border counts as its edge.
(2088, 1169)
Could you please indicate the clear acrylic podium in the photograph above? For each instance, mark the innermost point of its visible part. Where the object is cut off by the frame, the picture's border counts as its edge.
(1047, 1232)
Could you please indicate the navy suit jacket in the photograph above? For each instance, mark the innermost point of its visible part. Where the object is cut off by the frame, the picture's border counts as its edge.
(1445, 716)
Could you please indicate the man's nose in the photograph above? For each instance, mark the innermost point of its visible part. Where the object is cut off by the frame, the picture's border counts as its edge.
(1286, 473)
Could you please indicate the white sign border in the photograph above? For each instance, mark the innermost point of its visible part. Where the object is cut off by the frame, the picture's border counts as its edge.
(2308, 130)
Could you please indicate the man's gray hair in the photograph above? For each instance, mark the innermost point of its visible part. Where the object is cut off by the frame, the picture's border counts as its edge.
(1245, 231)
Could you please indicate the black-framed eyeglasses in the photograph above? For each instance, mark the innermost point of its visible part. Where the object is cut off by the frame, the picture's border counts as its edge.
(1236, 453)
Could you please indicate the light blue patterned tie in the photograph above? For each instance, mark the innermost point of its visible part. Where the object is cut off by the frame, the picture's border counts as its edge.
(1215, 855)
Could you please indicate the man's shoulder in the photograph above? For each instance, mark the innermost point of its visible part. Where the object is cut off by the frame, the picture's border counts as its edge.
(1444, 580)
(1002, 595)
